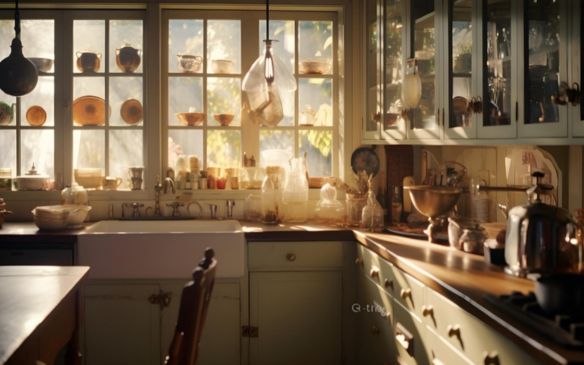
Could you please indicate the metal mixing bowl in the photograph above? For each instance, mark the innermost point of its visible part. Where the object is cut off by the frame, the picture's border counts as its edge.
(433, 201)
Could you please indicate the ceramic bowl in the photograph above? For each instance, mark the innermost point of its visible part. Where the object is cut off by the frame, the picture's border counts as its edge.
(191, 119)
(89, 110)
(43, 65)
(222, 66)
(315, 67)
(190, 63)
(224, 119)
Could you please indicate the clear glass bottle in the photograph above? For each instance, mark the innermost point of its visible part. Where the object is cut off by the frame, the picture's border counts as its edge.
(295, 193)
(372, 215)
(354, 204)
(396, 205)
(271, 195)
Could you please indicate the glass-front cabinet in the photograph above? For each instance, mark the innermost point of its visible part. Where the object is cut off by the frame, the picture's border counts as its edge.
(488, 70)
(424, 46)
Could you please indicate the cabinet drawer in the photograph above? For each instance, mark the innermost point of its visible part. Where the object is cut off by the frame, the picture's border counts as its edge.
(408, 337)
(376, 268)
(472, 337)
(404, 288)
(440, 352)
(14, 256)
(295, 255)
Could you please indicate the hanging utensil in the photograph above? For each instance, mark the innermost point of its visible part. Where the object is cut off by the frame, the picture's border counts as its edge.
(18, 75)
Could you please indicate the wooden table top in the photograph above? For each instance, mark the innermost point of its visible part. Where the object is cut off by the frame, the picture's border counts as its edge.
(28, 294)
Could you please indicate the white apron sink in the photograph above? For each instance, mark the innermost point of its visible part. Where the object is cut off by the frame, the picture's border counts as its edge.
(159, 249)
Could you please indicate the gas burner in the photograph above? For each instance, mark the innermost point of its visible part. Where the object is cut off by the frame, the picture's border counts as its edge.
(565, 330)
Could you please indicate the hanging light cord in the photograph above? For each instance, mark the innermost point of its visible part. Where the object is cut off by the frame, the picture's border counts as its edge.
(17, 21)
(269, 62)
(267, 20)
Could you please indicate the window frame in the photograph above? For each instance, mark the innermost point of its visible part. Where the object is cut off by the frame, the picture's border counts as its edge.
(250, 50)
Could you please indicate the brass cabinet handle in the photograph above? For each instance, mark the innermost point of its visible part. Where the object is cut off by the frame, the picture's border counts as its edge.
(453, 331)
(291, 257)
(374, 273)
(162, 298)
(491, 359)
(427, 311)
(404, 338)
(388, 283)
(359, 261)
(405, 294)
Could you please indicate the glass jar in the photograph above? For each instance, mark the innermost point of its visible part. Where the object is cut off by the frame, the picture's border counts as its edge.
(329, 210)
(372, 214)
(354, 204)
(295, 193)
(271, 195)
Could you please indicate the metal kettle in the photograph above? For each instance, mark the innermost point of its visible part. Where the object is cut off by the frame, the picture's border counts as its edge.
(540, 237)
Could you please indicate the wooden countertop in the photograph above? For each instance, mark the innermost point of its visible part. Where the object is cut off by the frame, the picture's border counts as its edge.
(29, 294)
(463, 278)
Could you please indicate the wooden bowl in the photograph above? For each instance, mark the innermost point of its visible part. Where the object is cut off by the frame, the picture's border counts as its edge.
(89, 110)
(131, 111)
(191, 119)
(315, 67)
(36, 116)
(224, 119)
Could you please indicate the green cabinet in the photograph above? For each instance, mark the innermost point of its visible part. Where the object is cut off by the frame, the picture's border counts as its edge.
(132, 321)
(296, 303)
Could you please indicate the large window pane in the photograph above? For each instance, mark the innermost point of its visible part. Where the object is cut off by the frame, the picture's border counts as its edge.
(317, 144)
(276, 147)
(125, 150)
(316, 98)
(184, 143)
(40, 101)
(37, 147)
(88, 148)
(224, 46)
(8, 155)
(126, 44)
(223, 98)
(185, 94)
(315, 47)
(88, 45)
(223, 148)
(185, 37)
(122, 91)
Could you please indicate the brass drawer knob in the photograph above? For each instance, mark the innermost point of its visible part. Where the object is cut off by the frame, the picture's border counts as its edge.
(428, 311)
(405, 294)
(374, 273)
(388, 283)
(453, 331)
(291, 257)
(491, 358)
(359, 261)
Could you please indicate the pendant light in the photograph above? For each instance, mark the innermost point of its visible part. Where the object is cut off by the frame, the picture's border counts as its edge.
(263, 84)
(18, 76)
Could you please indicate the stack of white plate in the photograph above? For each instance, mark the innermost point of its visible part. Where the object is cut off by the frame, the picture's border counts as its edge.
(57, 217)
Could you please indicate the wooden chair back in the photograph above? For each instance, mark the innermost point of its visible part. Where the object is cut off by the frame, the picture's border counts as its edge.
(194, 304)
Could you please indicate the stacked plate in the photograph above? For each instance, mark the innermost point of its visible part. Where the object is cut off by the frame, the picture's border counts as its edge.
(58, 217)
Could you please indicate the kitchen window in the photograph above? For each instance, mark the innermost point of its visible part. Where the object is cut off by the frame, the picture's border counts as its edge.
(204, 111)
(85, 118)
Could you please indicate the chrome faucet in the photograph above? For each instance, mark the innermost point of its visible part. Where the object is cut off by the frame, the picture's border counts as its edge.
(229, 205)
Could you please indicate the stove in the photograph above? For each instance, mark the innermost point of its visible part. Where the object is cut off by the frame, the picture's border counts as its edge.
(565, 330)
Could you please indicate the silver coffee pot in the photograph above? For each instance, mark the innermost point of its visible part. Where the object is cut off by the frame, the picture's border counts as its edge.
(540, 237)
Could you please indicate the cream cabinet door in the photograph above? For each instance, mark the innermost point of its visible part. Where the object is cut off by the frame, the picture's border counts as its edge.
(298, 317)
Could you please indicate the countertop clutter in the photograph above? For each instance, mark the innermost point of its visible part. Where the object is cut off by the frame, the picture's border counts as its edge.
(463, 278)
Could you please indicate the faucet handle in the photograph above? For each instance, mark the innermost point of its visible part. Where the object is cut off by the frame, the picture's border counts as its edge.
(136, 209)
(175, 205)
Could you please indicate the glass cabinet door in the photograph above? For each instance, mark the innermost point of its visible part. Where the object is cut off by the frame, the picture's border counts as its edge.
(393, 124)
(374, 76)
(462, 42)
(577, 44)
(423, 121)
(545, 66)
(497, 119)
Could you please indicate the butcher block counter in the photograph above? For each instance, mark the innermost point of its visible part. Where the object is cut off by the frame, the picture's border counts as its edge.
(39, 312)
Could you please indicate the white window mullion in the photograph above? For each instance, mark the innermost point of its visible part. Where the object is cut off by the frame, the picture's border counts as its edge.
(250, 131)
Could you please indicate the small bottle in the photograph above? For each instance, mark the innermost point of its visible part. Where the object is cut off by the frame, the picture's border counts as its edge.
(203, 180)
(396, 205)
(188, 185)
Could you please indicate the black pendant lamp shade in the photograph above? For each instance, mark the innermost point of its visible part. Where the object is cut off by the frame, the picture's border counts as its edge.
(18, 76)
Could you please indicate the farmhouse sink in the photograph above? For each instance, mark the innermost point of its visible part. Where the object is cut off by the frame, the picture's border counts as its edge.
(164, 226)
(159, 249)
